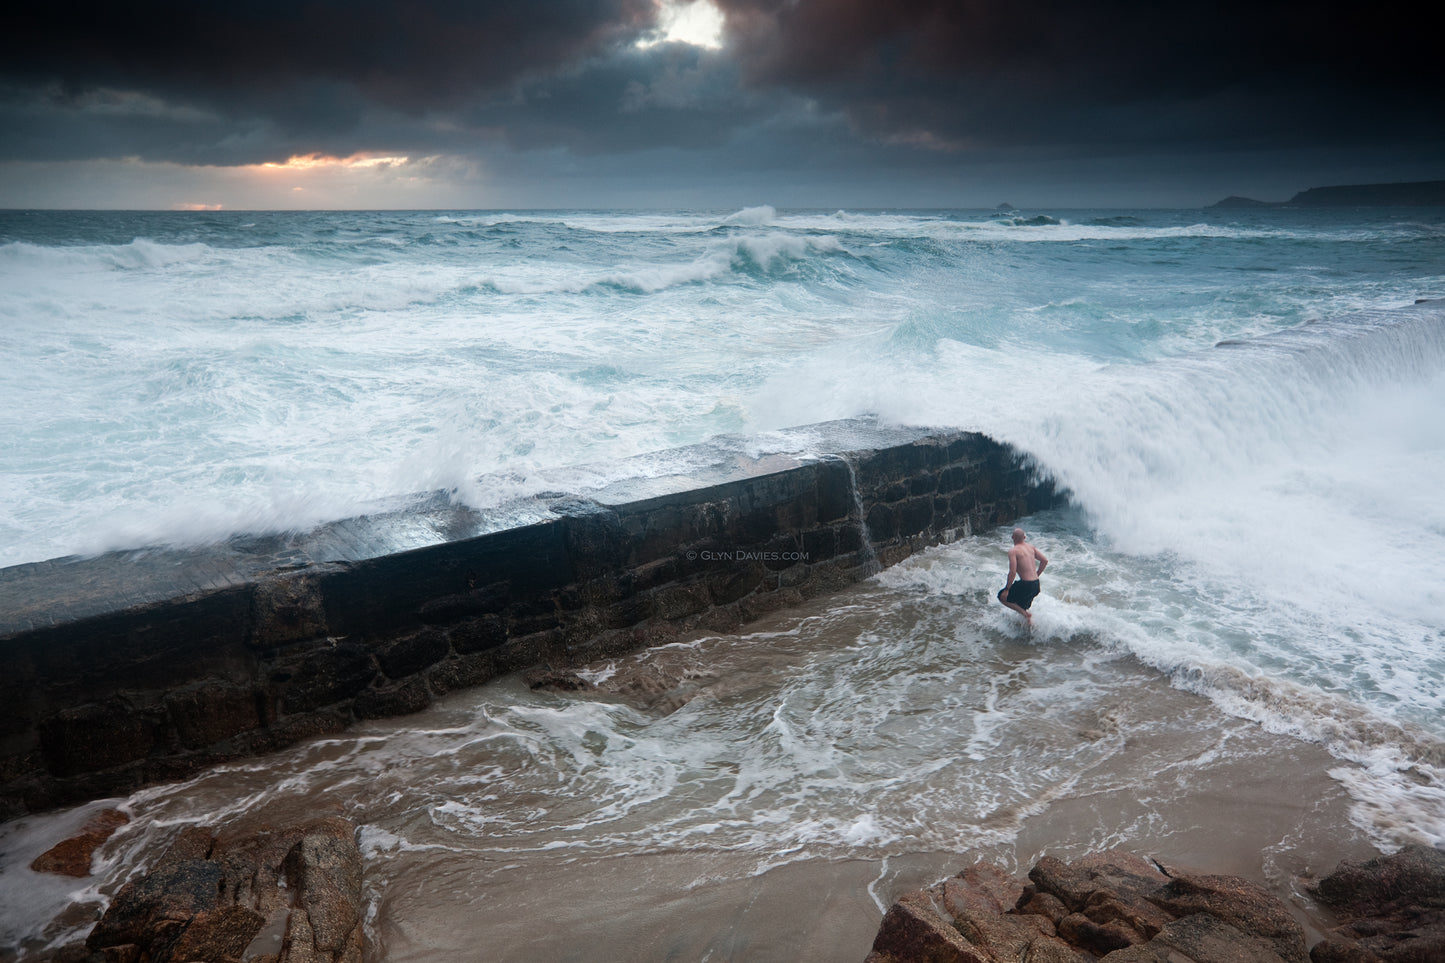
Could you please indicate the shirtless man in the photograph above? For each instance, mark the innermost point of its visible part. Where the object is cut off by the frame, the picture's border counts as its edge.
(1028, 563)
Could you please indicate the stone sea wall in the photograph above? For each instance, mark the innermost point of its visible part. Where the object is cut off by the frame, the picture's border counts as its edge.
(141, 666)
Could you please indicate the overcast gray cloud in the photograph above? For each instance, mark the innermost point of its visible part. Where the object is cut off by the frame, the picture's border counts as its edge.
(859, 90)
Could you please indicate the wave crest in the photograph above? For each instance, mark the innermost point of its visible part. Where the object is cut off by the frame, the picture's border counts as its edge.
(138, 255)
(762, 216)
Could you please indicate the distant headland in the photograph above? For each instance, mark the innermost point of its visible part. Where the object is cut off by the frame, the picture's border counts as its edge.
(1415, 194)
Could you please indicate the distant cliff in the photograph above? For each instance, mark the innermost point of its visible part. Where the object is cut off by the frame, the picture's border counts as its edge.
(1235, 200)
(1414, 194)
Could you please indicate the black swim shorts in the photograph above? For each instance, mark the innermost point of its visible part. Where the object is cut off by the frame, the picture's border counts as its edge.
(1023, 593)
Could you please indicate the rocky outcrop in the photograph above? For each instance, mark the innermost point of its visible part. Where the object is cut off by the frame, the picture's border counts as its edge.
(325, 927)
(1390, 909)
(1119, 907)
(657, 680)
(1404, 194)
(71, 857)
(1234, 201)
(273, 896)
(1113, 906)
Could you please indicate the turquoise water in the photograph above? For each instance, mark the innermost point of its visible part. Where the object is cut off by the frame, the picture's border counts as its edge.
(1246, 405)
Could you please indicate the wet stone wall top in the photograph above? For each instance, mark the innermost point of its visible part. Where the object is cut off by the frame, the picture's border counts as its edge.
(38, 595)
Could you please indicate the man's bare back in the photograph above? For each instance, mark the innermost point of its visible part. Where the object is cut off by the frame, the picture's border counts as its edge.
(1026, 563)
(1021, 562)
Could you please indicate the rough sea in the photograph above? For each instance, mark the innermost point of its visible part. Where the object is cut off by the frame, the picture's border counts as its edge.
(1239, 658)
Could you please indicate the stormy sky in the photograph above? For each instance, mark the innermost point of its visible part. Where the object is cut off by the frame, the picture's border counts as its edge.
(708, 103)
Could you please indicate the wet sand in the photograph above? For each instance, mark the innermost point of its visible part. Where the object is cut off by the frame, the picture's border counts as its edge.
(1265, 810)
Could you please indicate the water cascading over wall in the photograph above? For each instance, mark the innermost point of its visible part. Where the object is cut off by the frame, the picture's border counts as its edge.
(146, 665)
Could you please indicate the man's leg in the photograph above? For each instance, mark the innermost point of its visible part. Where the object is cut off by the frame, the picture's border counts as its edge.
(1003, 597)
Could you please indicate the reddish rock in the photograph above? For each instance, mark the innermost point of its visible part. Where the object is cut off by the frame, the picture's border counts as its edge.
(221, 934)
(1046, 905)
(194, 842)
(121, 954)
(1200, 938)
(1338, 950)
(1007, 938)
(980, 901)
(1205, 937)
(1112, 873)
(660, 680)
(208, 897)
(913, 930)
(152, 910)
(557, 680)
(982, 888)
(1400, 884)
(1098, 938)
(71, 857)
(1135, 912)
(1120, 908)
(1391, 908)
(325, 870)
(1113, 906)
(1239, 903)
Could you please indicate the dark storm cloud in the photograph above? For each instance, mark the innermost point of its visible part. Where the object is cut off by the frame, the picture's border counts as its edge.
(623, 99)
(1068, 74)
(414, 55)
(230, 83)
(670, 95)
